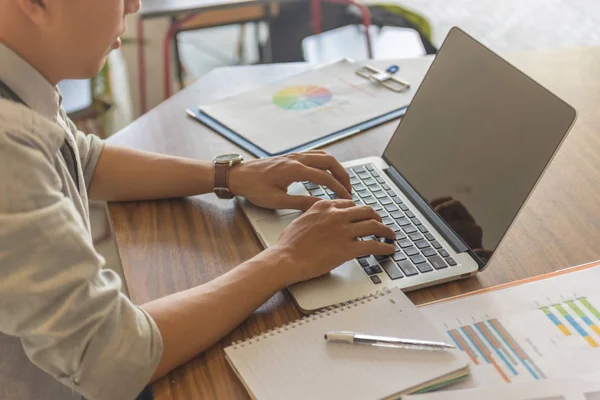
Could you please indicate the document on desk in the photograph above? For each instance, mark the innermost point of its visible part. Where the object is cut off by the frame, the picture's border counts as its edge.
(585, 388)
(543, 328)
(287, 114)
(296, 362)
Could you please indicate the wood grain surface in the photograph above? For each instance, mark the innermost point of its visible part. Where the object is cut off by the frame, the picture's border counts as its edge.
(171, 245)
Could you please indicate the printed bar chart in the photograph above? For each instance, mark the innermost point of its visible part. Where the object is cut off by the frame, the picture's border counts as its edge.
(534, 331)
(589, 307)
(463, 345)
(516, 349)
(573, 306)
(556, 321)
(578, 328)
(489, 342)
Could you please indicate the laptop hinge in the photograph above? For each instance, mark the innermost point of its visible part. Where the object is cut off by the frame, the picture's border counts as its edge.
(448, 233)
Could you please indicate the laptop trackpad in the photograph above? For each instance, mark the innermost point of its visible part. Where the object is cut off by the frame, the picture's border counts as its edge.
(270, 228)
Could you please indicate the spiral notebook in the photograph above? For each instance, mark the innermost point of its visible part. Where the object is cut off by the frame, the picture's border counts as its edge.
(295, 361)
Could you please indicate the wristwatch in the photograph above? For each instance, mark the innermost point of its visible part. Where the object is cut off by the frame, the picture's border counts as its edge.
(223, 164)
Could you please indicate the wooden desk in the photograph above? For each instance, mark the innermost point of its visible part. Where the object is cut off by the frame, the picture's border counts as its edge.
(168, 246)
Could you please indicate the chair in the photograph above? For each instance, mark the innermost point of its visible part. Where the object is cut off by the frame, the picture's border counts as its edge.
(386, 42)
(229, 16)
(365, 13)
(234, 14)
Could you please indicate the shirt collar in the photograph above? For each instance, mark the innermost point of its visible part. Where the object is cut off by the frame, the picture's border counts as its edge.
(31, 86)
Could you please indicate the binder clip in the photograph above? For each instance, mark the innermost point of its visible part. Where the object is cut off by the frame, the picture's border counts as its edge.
(384, 78)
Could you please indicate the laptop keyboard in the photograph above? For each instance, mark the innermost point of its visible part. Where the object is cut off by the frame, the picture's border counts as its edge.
(417, 250)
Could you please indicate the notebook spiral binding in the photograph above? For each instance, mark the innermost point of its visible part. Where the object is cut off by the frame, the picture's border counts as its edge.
(313, 317)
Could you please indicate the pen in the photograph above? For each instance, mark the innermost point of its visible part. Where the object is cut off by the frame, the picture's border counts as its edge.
(385, 341)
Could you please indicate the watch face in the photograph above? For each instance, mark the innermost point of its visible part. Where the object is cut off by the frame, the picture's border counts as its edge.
(226, 158)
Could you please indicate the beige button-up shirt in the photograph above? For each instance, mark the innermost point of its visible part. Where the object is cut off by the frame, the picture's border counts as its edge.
(55, 296)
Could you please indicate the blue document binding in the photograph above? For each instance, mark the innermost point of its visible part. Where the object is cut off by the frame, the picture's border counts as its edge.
(323, 141)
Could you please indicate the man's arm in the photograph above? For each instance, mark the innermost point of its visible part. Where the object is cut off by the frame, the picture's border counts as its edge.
(124, 174)
(193, 320)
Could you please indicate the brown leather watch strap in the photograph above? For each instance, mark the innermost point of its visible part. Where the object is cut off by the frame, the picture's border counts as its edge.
(222, 181)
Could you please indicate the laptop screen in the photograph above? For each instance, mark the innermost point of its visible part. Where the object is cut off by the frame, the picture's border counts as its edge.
(475, 140)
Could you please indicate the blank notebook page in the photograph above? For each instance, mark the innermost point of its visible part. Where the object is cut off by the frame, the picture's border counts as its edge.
(295, 361)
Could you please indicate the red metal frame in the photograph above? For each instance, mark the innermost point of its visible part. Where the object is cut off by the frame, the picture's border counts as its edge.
(141, 65)
(175, 27)
(166, 59)
(364, 10)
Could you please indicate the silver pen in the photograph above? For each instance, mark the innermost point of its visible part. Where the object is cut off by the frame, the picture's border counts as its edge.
(385, 341)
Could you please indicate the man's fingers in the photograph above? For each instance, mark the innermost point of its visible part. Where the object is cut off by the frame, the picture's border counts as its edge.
(320, 177)
(326, 161)
(372, 227)
(362, 213)
(304, 203)
(367, 247)
(341, 203)
(295, 202)
(314, 152)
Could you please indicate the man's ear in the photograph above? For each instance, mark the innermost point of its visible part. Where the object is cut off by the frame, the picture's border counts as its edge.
(34, 9)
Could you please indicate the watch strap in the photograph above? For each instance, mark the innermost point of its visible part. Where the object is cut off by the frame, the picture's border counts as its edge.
(221, 182)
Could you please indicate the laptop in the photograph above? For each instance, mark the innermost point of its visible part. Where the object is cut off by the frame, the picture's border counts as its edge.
(471, 147)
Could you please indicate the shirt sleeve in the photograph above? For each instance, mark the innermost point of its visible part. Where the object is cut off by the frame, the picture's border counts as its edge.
(55, 296)
(90, 146)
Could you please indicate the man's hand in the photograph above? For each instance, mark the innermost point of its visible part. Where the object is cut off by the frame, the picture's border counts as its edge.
(264, 182)
(326, 237)
(312, 245)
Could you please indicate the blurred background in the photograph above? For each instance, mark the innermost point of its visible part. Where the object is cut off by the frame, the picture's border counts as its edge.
(180, 41)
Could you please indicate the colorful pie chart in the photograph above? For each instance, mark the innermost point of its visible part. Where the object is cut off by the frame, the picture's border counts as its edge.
(302, 97)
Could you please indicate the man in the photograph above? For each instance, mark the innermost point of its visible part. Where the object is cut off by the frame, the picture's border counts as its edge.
(55, 294)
